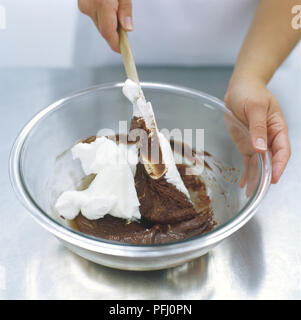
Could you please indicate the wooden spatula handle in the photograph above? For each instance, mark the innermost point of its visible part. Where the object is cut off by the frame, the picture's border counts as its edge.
(127, 56)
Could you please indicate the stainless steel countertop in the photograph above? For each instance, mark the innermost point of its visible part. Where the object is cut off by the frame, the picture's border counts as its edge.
(260, 261)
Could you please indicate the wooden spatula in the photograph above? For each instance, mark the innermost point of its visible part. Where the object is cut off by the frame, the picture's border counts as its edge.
(154, 170)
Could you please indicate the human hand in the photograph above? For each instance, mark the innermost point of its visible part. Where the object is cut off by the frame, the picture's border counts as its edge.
(106, 14)
(258, 109)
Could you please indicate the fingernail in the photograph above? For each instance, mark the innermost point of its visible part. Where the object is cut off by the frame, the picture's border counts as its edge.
(260, 144)
(128, 23)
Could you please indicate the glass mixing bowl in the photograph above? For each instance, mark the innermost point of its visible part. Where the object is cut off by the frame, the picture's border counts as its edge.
(41, 168)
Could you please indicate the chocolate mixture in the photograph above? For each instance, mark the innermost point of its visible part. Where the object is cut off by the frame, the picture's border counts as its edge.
(167, 214)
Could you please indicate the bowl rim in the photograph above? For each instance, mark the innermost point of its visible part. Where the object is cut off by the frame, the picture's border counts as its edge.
(120, 249)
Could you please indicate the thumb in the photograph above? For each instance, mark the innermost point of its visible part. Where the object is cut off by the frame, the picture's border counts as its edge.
(256, 113)
(125, 14)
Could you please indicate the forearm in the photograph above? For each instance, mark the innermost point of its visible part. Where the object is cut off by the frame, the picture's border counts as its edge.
(269, 41)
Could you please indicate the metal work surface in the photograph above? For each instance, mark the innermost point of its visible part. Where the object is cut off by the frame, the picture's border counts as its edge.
(260, 261)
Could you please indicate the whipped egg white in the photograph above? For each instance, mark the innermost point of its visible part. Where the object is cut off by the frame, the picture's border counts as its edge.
(113, 189)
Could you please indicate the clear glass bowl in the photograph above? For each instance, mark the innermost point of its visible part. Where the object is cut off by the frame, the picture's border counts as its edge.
(237, 183)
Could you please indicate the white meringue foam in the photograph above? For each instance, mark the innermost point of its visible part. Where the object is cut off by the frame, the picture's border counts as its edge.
(113, 189)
